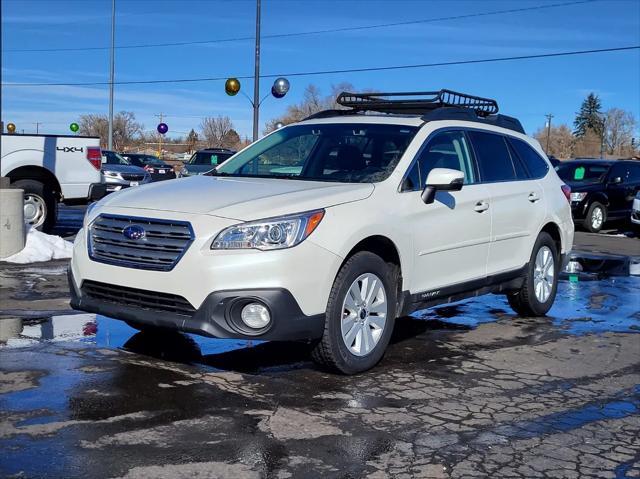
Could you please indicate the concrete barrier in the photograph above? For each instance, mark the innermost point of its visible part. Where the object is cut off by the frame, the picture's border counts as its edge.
(12, 229)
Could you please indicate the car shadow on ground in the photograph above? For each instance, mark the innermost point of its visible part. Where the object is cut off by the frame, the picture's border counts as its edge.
(413, 340)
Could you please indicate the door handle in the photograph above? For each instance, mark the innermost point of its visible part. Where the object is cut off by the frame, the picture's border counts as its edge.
(533, 197)
(481, 206)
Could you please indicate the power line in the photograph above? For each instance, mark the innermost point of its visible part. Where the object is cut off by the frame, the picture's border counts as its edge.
(312, 32)
(346, 70)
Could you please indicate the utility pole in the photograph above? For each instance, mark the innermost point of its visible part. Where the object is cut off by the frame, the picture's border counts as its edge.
(160, 115)
(37, 123)
(549, 116)
(112, 70)
(256, 76)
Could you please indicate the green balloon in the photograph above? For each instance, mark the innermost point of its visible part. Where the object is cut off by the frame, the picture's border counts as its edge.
(74, 127)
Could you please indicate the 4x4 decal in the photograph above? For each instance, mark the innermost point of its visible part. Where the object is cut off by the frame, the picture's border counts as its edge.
(69, 149)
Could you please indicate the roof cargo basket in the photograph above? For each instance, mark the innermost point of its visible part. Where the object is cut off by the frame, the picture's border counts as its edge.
(416, 103)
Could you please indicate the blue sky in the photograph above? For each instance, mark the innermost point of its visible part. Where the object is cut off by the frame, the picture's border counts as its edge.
(527, 89)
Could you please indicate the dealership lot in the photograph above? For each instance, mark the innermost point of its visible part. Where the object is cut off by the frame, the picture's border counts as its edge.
(465, 390)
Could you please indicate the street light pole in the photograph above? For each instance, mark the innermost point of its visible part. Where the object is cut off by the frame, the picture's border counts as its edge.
(112, 70)
(549, 116)
(256, 76)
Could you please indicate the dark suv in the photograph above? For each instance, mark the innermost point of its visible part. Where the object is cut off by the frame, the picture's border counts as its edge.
(203, 161)
(601, 190)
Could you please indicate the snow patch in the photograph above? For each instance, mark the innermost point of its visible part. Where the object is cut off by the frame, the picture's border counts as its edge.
(41, 247)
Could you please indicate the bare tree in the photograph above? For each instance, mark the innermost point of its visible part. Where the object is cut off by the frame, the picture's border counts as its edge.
(219, 132)
(588, 145)
(126, 130)
(312, 102)
(94, 125)
(561, 141)
(192, 140)
(619, 128)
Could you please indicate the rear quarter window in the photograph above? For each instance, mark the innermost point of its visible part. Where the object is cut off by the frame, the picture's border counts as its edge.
(534, 163)
(492, 155)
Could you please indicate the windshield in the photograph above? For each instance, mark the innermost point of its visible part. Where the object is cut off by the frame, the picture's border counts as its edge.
(344, 152)
(112, 158)
(582, 172)
(209, 158)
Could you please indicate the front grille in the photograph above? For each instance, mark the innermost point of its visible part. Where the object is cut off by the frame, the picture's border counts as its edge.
(132, 176)
(137, 298)
(160, 248)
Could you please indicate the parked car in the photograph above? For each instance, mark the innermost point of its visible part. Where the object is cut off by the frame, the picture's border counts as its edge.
(329, 229)
(118, 173)
(203, 161)
(158, 169)
(601, 190)
(52, 169)
(635, 211)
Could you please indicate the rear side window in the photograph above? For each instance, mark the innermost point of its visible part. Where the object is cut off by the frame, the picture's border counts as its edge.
(536, 165)
(492, 155)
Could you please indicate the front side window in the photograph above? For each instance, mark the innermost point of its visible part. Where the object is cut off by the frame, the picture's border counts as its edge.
(343, 152)
(618, 171)
(492, 155)
(448, 149)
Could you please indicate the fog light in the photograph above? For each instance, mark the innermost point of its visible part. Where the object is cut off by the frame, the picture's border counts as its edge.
(255, 315)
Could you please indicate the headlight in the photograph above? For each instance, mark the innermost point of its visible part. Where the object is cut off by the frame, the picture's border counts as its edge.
(578, 196)
(112, 174)
(268, 234)
(90, 207)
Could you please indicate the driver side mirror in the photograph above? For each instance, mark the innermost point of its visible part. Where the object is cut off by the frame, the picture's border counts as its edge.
(441, 179)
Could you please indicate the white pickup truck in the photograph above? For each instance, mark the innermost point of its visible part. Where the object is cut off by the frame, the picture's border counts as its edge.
(52, 169)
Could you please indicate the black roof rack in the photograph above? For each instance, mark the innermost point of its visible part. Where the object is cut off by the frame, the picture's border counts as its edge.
(416, 102)
(430, 105)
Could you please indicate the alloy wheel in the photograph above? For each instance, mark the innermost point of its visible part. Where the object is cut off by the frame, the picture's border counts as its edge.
(364, 314)
(544, 274)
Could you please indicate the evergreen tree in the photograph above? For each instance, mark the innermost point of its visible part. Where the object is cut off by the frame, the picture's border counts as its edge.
(589, 117)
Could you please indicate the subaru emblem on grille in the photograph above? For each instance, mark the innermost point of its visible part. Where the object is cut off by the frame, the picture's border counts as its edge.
(134, 232)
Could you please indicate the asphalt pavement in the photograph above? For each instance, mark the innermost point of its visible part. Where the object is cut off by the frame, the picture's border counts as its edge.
(466, 390)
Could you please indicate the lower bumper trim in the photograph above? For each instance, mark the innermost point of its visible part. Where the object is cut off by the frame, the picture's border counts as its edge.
(213, 318)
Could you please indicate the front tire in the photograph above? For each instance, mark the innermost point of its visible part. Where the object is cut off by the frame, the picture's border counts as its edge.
(538, 291)
(595, 218)
(360, 315)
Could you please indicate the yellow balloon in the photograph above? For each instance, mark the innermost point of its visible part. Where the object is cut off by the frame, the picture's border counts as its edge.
(11, 128)
(232, 86)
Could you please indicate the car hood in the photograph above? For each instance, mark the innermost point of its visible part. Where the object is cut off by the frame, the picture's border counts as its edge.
(241, 199)
(124, 169)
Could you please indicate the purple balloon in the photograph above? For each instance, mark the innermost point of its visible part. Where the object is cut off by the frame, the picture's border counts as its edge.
(162, 128)
(276, 93)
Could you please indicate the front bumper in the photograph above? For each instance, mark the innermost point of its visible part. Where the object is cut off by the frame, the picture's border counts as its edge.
(306, 272)
(217, 316)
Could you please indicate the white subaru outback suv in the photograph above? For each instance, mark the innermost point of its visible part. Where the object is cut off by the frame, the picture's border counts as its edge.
(329, 229)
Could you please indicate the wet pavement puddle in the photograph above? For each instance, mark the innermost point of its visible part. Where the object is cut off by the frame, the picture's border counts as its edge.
(609, 305)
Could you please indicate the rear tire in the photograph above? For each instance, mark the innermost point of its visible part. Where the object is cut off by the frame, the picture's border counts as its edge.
(595, 218)
(360, 315)
(538, 291)
(40, 204)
